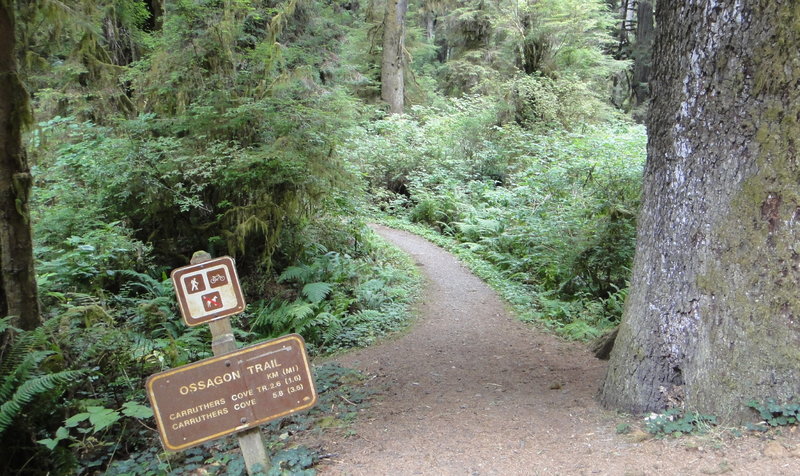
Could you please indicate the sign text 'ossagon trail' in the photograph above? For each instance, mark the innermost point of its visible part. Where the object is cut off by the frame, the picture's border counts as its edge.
(231, 392)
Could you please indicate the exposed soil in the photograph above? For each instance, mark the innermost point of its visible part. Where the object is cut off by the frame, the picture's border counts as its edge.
(471, 390)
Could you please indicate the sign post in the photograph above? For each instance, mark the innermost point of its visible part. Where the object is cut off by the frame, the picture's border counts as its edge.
(236, 390)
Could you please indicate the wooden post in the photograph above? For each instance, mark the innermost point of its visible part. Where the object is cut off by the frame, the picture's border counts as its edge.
(251, 441)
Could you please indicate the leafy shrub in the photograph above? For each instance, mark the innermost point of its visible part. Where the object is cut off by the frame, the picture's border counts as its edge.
(542, 103)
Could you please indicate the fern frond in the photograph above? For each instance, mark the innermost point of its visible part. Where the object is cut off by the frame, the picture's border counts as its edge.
(146, 283)
(26, 392)
(304, 316)
(266, 316)
(21, 350)
(295, 273)
(5, 324)
(316, 292)
(20, 372)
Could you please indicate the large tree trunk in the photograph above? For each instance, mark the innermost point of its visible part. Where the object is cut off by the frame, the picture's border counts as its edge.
(394, 38)
(18, 296)
(713, 315)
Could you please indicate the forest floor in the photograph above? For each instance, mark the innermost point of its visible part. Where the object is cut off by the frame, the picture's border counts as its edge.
(470, 390)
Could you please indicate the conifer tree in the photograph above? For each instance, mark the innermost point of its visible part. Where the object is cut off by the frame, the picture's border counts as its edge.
(18, 296)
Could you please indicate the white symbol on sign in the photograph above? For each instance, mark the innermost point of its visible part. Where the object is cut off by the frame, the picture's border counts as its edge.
(195, 285)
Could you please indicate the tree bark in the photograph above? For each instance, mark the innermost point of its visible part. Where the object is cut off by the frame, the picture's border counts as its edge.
(392, 74)
(713, 314)
(18, 296)
(157, 9)
(642, 52)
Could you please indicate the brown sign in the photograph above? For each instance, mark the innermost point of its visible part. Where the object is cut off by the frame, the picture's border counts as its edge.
(232, 392)
(208, 291)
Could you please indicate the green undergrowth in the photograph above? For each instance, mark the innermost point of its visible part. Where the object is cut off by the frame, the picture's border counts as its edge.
(338, 301)
(547, 215)
(110, 327)
(342, 396)
(773, 418)
(676, 422)
(774, 414)
(524, 299)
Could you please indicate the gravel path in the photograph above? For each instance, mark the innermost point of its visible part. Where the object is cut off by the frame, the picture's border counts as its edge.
(469, 390)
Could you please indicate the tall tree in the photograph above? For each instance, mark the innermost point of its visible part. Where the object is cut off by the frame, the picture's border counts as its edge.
(394, 47)
(642, 50)
(713, 315)
(18, 295)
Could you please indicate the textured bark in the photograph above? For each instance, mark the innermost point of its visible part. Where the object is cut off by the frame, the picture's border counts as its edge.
(17, 280)
(394, 34)
(429, 22)
(642, 53)
(157, 9)
(628, 15)
(713, 315)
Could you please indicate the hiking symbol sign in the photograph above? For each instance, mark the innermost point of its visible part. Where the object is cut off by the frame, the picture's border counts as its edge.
(208, 290)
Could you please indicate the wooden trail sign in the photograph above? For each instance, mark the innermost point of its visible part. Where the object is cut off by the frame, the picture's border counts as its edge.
(231, 392)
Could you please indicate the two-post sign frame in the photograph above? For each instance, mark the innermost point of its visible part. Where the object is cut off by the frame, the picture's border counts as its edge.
(237, 389)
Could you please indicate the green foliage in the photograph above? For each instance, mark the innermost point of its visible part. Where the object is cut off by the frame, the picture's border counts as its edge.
(33, 378)
(675, 422)
(540, 102)
(249, 129)
(563, 37)
(316, 292)
(775, 414)
(489, 43)
(95, 420)
(556, 214)
(27, 372)
(341, 301)
(293, 462)
(623, 428)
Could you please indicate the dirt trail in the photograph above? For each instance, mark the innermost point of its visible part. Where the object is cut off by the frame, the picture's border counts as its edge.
(471, 390)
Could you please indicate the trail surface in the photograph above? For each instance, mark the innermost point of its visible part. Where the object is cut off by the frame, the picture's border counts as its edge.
(469, 390)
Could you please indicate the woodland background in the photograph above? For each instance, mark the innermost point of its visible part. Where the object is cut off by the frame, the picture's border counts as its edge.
(256, 129)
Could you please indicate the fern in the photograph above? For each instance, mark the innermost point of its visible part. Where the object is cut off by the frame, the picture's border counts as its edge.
(21, 377)
(31, 388)
(316, 292)
(18, 372)
(296, 273)
(282, 317)
(5, 324)
(145, 283)
(21, 356)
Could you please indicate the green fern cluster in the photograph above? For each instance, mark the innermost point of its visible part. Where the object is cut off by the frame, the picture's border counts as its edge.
(340, 301)
(25, 373)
